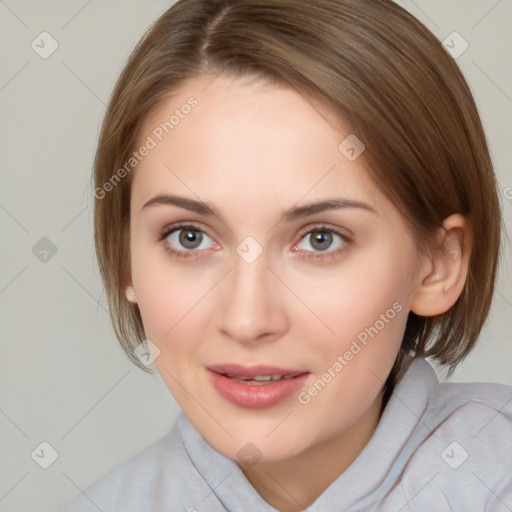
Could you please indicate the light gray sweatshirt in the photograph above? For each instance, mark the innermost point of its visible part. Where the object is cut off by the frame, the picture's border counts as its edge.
(438, 448)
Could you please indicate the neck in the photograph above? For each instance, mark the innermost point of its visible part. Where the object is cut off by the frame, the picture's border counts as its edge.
(294, 484)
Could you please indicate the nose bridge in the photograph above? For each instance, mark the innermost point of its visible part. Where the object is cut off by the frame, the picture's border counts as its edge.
(250, 306)
(249, 287)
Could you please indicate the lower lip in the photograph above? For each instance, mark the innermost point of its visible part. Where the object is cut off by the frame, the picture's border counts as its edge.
(256, 396)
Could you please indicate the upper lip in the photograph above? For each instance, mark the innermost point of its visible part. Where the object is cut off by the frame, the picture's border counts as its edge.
(253, 371)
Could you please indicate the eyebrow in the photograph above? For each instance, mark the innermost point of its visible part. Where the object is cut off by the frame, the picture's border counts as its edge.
(297, 212)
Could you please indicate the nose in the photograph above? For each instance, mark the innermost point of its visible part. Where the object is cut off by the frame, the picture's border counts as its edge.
(252, 307)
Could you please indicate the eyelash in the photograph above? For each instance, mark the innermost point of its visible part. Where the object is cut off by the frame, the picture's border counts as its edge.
(313, 254)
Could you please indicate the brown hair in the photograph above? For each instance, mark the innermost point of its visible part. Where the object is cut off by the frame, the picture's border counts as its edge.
(372, 64)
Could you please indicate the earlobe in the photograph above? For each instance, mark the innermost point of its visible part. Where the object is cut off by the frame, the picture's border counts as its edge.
(446, 269)
(130, 294)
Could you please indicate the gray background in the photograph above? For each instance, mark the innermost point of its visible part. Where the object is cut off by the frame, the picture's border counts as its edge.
(64, 379)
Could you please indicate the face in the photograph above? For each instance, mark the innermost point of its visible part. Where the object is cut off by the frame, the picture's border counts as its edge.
(242, 276)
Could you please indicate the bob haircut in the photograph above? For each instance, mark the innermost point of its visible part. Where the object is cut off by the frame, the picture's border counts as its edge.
(375, 67)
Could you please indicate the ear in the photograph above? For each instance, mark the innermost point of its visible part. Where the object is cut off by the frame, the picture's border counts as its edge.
(445, 271)
(126, 269)
(130, 294)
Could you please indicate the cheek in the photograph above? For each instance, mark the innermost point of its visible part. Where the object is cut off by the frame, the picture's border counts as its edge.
(357, 295)
(164, 294)
(175, 302)
(364, 306)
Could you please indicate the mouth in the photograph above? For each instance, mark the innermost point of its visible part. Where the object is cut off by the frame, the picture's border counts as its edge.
(256, 374)
(255, 386)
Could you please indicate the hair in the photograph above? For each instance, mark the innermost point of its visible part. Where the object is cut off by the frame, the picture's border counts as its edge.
(373, 65)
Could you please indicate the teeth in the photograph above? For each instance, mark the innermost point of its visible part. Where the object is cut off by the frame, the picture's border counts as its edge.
(267, 378)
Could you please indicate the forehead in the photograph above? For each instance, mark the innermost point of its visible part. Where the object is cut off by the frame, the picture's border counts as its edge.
(251, 138)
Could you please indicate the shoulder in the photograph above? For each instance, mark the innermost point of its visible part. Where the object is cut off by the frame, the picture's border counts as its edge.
(480, 413)
(465, 460)
(143, 481)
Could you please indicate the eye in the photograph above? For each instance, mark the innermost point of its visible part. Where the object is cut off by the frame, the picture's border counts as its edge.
(186, 241)
(183, 239)
(321, 239)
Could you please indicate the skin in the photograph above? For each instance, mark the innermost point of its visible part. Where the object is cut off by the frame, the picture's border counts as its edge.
(254, 150)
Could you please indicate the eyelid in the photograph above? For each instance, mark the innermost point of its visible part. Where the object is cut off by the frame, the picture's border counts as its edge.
(170, 228)
(319, 226)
